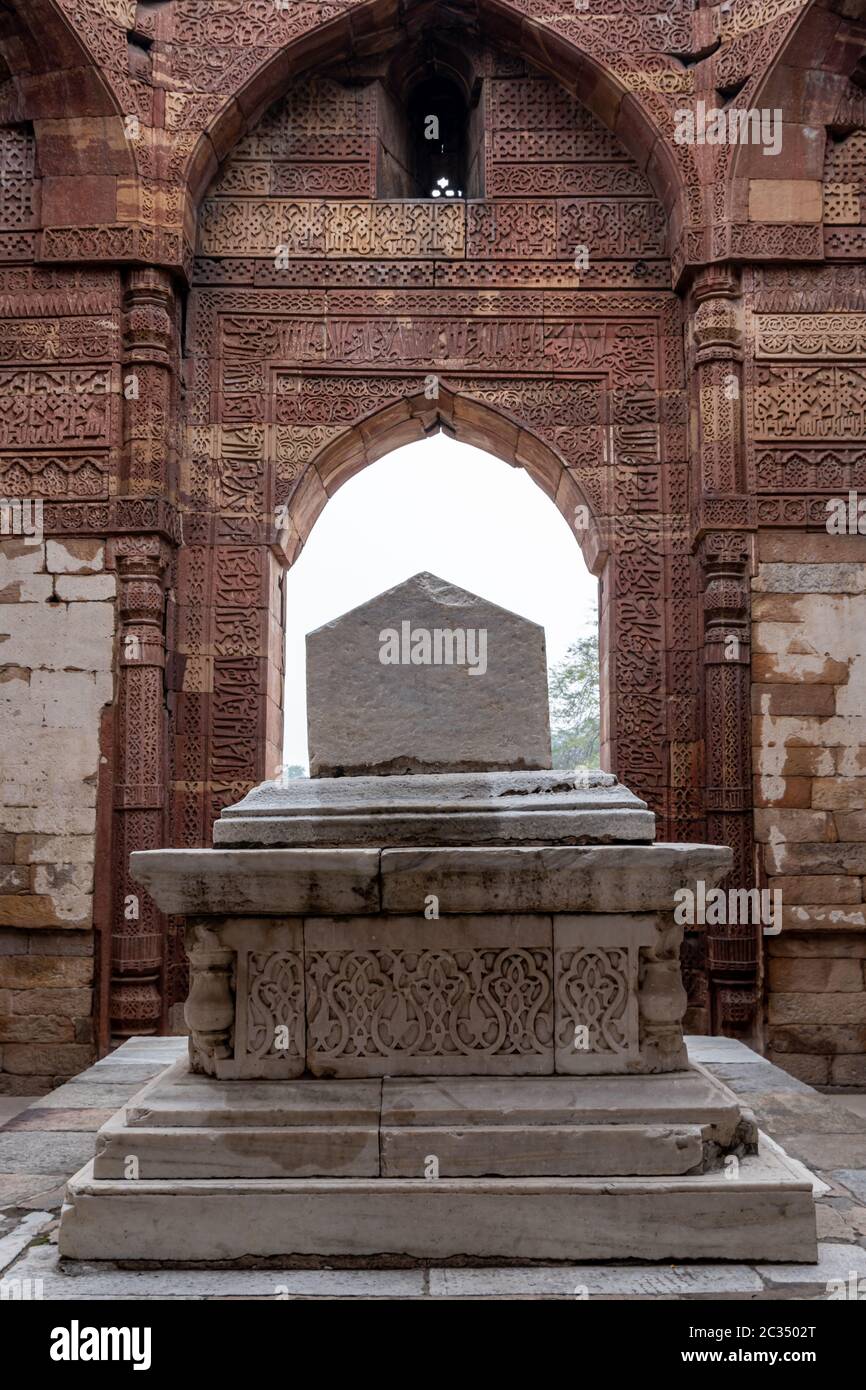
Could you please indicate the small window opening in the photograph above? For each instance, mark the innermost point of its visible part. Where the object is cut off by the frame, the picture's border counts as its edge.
(438, 124)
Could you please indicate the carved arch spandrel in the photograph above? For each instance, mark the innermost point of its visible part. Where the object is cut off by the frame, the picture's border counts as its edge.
(579, 60)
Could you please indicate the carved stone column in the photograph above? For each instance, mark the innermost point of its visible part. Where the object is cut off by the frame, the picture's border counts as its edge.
(149, 386)
(150, 383)
(724, 516)
(140, 785)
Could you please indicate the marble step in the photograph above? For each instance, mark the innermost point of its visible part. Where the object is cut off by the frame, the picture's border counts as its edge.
(185, 1126)
(767, 1214)
(366, 1151)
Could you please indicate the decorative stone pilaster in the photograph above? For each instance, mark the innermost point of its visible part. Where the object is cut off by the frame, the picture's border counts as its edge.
(210, 1006)
(140, 785)
(150, 383)
(724, 517)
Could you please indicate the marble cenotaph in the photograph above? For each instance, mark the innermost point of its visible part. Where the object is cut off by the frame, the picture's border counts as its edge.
(436, 1007)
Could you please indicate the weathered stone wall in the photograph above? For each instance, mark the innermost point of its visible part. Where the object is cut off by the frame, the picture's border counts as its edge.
(682, 385)
(57, 644)
(809, 758)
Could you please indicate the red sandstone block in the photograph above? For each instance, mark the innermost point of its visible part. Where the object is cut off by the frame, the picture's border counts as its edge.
(815, 1071)
(793, 699)
(848, 1071)
(818, 888)
(812, 975)
(823, 1039)
(79, 200)
(782, 791)
(35, 1059)
(814, 547)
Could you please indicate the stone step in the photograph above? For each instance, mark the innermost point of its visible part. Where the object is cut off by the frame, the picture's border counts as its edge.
(542, 1151)
(767, 1214)
(178, 1098)
(366, 1151)
(196, 1127)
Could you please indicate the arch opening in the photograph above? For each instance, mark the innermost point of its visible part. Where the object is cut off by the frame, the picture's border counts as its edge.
(458, 512)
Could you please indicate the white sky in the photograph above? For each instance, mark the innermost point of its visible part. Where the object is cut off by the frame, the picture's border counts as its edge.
(445, 507)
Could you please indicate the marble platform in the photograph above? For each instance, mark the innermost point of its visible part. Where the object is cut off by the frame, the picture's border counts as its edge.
(440, 1052)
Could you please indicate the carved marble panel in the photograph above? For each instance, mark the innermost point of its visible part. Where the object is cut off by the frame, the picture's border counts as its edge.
(403, 997)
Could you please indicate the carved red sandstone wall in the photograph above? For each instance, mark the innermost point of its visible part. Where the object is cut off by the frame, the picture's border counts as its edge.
(166, 407)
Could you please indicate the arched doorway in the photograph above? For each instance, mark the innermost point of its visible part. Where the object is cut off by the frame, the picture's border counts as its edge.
(329, 324)
(452, 510)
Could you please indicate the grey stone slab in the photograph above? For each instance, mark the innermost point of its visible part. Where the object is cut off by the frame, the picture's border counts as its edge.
(448, 809)
(594, 1281)
(427, 710)
(26, 1189)
(686, 1097)
(825, 1151)
(557, 878)
(18, 1239)
(10, 1106)
(36, 1117)
(767, 1213)
(249, 881)
(541, 1151)
(793, 1112)
(101, 1280)
(90, 1095)
(710, 1050)
(835, 1261)
(749, 1078)
(179, 1098)
(298, 1151)
(852, 1178)
(127, 1073)
(36, 1151)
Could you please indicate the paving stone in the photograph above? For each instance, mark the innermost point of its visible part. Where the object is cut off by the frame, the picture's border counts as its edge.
(136, 1072)
(854, 1179)
(826, 1151)
(96, 1280)
(42, 1118)
(794, 1112)
(711, 1050)
(27, 1229)
(23, 1189)
(89, 1095)
(38, 1152)
(576, 1281)
(834, 1262)
(748, 1077)
(834, 1224)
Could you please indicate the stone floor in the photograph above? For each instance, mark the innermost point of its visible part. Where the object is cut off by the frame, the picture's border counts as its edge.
(42, 1145)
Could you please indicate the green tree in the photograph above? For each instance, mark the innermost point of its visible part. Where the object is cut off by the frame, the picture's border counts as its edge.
(292, 770)
(574, 706)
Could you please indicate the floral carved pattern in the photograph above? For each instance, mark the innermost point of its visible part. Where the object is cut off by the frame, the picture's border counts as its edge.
(428, 1004)
(592, 987)
(275, 1002)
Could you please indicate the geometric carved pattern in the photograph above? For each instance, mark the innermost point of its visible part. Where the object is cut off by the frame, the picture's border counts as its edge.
(275, 1000)
(407, 1007)
(592, 990)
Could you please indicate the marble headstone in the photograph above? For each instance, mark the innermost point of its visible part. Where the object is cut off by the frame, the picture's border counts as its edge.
(427, 678)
